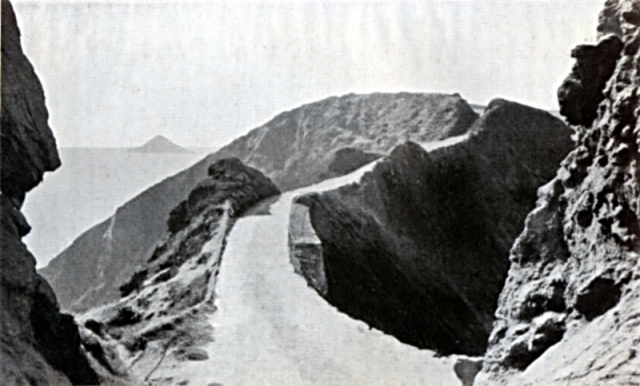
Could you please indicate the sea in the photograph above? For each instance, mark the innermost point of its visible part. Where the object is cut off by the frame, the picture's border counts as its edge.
(87, 189)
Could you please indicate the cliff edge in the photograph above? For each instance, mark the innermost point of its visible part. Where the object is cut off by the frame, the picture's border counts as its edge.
(162, 320)
(39, 345)
(419, 247)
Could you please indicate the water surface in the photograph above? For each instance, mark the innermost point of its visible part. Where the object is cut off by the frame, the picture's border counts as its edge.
(89, 186)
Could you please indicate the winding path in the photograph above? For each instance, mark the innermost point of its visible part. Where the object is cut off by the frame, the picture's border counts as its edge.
(272, 329)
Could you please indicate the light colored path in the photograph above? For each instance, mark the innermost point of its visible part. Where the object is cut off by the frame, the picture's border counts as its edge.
(272, 329)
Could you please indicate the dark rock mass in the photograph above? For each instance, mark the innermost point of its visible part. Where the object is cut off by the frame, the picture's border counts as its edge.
(163, 315)
(231, 188)
(569, 312)
(296, 148)
(582, 92)
(39, 345)
(419, 247)
(28, 146)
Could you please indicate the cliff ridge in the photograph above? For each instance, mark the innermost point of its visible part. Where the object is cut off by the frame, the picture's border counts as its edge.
(162, 320)
(297, 148)
(419, 247)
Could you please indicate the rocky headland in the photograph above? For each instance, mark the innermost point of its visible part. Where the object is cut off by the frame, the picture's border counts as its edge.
(39, 345)
(296, 148)
(419, 247)
(399, 246)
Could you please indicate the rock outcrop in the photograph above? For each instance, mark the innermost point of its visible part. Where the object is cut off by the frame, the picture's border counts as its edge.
(39, 345)
(569, 313)
(162, 318)
(28, 146)
(419, 247)
(297, 148)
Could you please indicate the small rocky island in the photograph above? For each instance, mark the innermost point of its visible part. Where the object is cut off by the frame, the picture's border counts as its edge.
(159, 144)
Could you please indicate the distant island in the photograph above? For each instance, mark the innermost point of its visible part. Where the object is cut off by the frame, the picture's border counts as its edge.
(159, 144)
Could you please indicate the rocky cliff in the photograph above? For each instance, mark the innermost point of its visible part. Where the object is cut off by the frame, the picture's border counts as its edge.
(39, 345)
(297, 148)
(419, 247)
(162, 319)
(569, 313)
(28, 146)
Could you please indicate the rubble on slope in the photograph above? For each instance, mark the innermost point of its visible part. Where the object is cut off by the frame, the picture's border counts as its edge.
(162, 318)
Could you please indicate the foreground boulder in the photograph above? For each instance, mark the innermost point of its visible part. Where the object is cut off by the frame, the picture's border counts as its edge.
(39, 345)
(162, 320)
(568, 313)
(419, 247)
(296, 148)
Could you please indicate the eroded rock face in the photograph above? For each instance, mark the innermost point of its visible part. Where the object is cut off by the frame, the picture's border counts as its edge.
(39, 345)
(28, 146)
(582, 92)
(419, 248)
(305, 249)
(163, 316)
(569, 309)
(297, 148)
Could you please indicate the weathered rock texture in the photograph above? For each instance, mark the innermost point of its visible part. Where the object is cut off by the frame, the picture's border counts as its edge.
(38, 344)
(569, 312)
(28, 146)
(419, 248)
(162, 318)
(305, 249)
(296, 148)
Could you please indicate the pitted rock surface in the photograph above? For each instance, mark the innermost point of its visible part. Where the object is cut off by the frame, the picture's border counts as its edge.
(568, 313)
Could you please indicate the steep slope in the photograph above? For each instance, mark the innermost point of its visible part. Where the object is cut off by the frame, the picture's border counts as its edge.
(296, 148)
(267, 327)
(159, 144)
(38, 344)
(569, 312)
(419, 247)
(162, 319)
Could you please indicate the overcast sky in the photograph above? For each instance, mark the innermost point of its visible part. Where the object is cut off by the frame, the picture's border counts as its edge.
(118, 73)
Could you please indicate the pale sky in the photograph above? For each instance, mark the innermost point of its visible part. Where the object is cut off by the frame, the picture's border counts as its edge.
(116, 73)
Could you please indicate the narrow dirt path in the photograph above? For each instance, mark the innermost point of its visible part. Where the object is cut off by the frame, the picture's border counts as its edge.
(272, 329)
